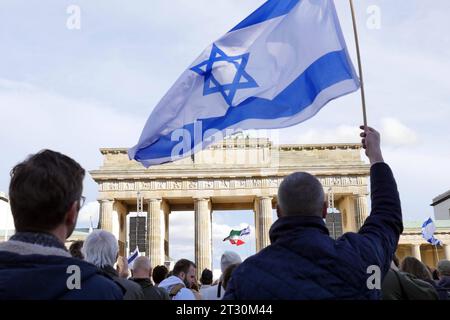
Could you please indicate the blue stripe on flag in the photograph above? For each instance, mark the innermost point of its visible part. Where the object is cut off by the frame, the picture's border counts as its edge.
(269, 10)
(427, 222)
(133, 256)
(330, 69)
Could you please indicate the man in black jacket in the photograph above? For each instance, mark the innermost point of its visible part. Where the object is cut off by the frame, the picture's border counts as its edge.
(304, 262)
(141, 275)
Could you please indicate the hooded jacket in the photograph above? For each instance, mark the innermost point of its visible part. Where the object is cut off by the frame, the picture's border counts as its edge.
(38, 267)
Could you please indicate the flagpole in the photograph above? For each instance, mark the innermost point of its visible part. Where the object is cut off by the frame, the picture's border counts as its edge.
(437, 254)
(358, 53)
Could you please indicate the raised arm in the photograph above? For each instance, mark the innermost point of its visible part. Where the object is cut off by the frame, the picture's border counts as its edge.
(383, 227)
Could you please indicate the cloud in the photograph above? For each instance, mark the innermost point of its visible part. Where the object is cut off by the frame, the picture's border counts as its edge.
(34, 118)
(339, 134)
(397, 134)
(420, 178)
(6, 218)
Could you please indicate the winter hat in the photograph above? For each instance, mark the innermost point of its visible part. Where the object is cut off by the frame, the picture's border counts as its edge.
(229, 258)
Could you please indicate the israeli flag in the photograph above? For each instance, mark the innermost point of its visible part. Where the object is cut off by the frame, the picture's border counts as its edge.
(428, 229)
(246, 231)
(133, 256)
(275, 69)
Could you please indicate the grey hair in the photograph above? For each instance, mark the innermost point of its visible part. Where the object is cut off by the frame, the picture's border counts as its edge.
(101, 248)
(142, 263)
(301, 194)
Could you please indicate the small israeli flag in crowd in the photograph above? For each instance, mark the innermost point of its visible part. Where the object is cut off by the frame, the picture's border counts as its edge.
(133, 256)
(428, 229)
(275, 69)
(246, 231)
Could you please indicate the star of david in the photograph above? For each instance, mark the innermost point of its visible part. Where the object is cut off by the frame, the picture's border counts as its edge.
(241, 80)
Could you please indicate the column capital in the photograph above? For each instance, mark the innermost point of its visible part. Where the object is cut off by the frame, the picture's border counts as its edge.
(196, 199)
(265, 197)
(105, 200)
(156, 199)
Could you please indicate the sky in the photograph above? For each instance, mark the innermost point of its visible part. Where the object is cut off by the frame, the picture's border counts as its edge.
(78, 90)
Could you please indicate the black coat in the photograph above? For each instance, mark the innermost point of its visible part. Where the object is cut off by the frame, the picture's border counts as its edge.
(132, 291)
(150, 291)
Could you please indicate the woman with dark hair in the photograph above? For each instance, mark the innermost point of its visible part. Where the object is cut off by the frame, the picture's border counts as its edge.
(415, 267)
(228, 273)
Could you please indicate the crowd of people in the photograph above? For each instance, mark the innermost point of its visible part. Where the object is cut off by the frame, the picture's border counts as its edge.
(302, 262)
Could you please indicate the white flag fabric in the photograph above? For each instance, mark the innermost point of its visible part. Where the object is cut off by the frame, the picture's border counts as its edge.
(275, 69)
(133, 256)
(428, 229)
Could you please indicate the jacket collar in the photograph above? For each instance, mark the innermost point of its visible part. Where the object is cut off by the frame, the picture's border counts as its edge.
(286, 226)
(28, 243)
(39, 238)
(143, 282)
(110, 271)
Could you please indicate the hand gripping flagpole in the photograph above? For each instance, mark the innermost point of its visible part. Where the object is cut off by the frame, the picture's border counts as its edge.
(358, 52)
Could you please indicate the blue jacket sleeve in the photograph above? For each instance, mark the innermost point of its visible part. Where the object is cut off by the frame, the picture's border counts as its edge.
(381, 231)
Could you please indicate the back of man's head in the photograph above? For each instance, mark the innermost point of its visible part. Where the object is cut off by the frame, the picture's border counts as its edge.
(159, 274)
(142, 267)
(301, 194)
(182, 266)
(101, 248)
(42, 190)
(207, 277)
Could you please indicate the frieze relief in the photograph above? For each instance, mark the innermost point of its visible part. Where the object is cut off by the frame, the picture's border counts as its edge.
(221, 184)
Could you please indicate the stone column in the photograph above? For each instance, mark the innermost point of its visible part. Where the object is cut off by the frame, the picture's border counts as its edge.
(106, 211)
(203, 238)
(361, 210)
(263, 221)
(122, 212)
(154, 232)
(447, 251)
(165, 231)
(416, 252)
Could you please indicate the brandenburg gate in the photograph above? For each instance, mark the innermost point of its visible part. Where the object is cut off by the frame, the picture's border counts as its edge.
(235, 174)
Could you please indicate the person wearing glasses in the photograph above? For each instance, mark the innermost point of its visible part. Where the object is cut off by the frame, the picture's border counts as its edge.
(46, 196)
